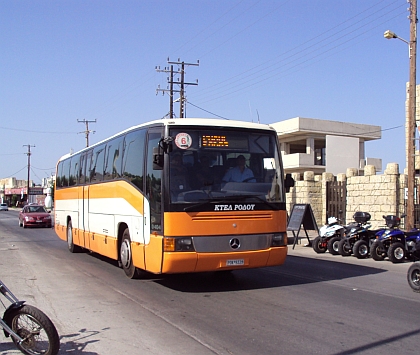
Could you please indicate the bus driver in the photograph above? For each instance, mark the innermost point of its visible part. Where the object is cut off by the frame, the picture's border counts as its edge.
(240, 173)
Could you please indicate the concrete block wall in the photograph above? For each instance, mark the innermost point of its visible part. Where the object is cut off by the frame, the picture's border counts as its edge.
(307, 190)
(377, 194)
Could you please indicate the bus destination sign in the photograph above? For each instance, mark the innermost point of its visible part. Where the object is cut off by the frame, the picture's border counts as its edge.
(214, 141)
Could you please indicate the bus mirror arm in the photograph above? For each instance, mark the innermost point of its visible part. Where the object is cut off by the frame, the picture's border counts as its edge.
(288, 182)
(166, 144)
(157, 158)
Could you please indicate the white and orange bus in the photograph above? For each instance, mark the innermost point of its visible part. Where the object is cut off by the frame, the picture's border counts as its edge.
(170, 196)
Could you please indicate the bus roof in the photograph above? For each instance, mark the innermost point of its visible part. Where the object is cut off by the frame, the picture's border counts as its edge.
(208, 122)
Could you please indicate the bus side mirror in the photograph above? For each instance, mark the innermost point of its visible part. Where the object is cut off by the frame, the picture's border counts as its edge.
(288, 182)
(157, 158)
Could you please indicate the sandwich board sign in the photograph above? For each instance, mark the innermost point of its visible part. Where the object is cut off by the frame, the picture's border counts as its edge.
(301, 216)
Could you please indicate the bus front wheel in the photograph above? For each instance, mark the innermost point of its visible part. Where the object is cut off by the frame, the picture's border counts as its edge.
(126, 257)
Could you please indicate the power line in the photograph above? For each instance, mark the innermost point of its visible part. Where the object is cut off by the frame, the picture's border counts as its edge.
(200, 108)
(301, 49)
(33, 131)
(270, 75)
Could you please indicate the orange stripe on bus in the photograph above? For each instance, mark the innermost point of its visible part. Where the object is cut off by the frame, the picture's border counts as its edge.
(112, 189)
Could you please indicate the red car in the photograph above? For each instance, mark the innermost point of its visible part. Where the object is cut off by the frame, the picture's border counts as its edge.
(34, 215)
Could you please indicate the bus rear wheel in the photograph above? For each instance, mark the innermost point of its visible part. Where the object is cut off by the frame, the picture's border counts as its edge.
(126, 257)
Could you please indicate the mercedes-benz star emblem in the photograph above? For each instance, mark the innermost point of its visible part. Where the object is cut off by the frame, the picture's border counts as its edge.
(234, 243)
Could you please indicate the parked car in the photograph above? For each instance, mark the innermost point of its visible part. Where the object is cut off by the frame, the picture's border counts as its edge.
(4, 207)
(34, 215)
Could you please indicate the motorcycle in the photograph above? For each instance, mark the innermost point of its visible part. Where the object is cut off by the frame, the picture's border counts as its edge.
(359, 239)
(329, 236)
(395, 243)
(30, 329)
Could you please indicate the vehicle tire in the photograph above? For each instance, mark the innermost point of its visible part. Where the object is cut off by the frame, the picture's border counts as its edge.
(317, 245)
(396, 252)
(343, 249)
(36, 328)
(361, 249)
(333, 245)
(126, 257)
(70, 243)
(377, 252)
(413, 277)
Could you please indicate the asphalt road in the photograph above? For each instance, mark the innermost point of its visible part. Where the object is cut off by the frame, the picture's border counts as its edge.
(314, 304)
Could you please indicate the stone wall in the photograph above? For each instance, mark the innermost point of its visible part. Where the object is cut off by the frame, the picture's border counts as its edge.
(308, 191)
(377, 194)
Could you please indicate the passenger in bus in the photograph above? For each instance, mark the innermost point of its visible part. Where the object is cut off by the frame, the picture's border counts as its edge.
(204, 175)
(178, 175)
(239, 173)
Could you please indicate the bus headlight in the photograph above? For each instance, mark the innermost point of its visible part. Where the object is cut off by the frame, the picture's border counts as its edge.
(178, 244)
(279, 240)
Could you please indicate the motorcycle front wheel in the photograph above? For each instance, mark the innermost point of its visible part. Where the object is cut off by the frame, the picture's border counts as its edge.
(332, 245)
(37, 331)
(396, 252)
(377, 252)
(413, 277)
(318, 245)
(343, 248)
(361, 249)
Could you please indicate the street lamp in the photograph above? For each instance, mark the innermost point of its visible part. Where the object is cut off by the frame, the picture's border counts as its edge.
(410, 153)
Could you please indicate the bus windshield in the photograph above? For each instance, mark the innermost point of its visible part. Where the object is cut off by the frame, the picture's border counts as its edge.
(210, 164)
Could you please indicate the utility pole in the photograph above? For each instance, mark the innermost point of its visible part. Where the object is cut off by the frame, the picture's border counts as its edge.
(409, 221)
(87, 131)
(181, 83)
(171, 87)
(29, 169)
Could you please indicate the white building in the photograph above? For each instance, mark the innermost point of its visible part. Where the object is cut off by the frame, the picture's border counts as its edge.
(316, 145)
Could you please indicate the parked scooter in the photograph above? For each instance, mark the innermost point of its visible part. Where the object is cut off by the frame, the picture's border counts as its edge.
(395, 243)
(360, 238)
(30, 329)
(330, 235)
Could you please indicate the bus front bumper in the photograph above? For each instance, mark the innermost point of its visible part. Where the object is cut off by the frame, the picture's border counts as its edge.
(184, 262)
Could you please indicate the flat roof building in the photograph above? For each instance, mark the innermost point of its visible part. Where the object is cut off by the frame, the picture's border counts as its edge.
(309, 144)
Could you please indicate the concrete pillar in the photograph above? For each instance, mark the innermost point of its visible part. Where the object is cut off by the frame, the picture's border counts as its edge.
(369, 170)
(352, 172)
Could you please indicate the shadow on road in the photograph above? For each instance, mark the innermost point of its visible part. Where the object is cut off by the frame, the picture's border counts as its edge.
(75, 343)
(296, 271)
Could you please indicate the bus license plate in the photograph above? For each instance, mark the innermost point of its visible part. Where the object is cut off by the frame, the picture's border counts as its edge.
(235, 262)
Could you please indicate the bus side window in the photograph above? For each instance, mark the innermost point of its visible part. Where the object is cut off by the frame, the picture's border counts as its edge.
(72, 178)
(59, 172)
(84, 161)
(74, 169)
(133, 158)
(97, 165)
(113, 159)
(65, 173)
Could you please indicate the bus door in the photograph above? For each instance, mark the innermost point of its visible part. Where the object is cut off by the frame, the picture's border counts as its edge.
(153, 206)
(84, 199)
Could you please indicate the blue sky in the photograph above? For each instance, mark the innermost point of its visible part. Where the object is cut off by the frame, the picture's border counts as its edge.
(63, 61)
